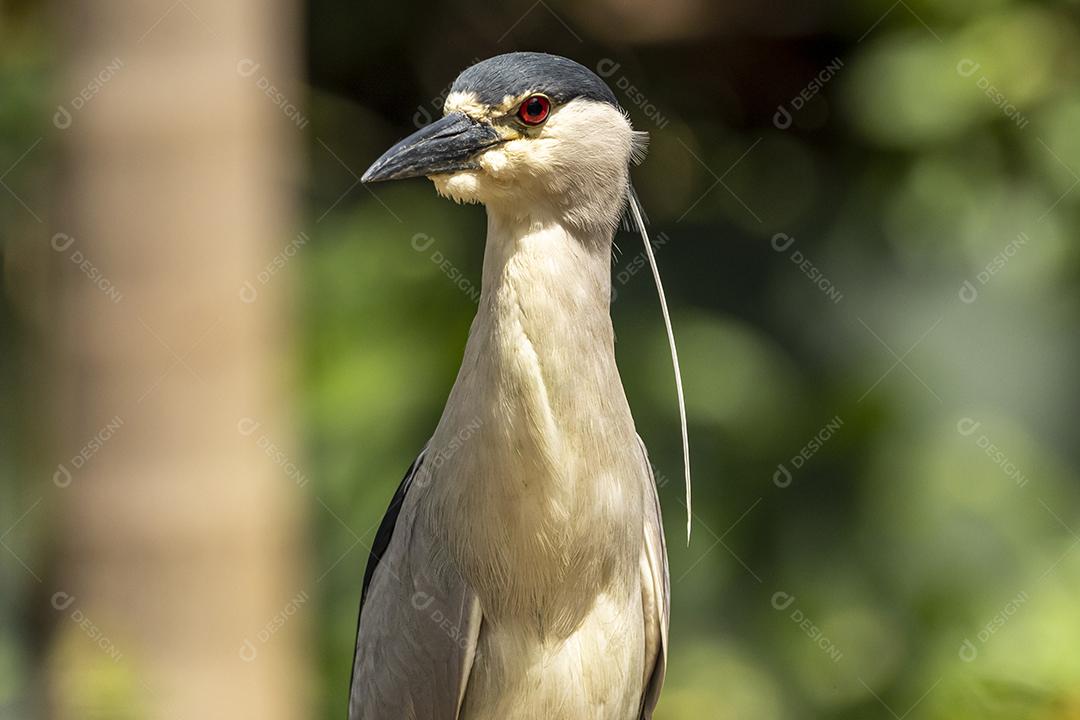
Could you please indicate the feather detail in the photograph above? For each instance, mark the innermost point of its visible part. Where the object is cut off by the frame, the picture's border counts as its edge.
(639, 146)
(639, 219)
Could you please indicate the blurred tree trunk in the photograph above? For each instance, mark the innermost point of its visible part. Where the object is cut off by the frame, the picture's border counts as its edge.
(178, 593)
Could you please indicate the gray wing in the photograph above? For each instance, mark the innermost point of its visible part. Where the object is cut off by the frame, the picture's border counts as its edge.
(418, 623)
(655, 595)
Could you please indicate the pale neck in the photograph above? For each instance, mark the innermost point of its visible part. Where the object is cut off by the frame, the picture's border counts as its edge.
(537, 433)
(550, 257)
(542, 343)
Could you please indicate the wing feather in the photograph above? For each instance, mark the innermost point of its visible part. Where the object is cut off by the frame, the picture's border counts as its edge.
(655, 594)
(418, 625)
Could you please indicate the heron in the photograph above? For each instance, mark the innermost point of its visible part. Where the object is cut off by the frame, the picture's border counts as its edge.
(521, 569)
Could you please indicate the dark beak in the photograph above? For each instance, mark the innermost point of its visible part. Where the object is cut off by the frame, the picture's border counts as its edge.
(446, 145)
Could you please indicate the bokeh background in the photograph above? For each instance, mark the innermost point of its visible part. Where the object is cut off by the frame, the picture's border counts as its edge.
(866, 215)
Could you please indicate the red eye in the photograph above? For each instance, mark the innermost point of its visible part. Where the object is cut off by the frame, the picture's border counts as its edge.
(534, 110)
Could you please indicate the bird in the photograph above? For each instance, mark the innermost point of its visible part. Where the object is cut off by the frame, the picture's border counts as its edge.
(521, 570)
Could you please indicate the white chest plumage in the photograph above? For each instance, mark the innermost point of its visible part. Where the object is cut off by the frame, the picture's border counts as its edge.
(554, 464)
(595, 673)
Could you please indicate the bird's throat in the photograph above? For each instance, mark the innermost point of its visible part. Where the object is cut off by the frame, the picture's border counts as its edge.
(543, 326)
(554, 457)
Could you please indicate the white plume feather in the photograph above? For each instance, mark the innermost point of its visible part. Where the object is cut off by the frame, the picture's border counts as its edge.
(635, 211)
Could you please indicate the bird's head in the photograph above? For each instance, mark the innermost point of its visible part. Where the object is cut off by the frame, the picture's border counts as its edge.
(525, 134)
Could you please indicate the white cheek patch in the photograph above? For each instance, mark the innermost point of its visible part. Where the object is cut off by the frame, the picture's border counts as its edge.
(495, 162)
(462, 187)
(516, 159)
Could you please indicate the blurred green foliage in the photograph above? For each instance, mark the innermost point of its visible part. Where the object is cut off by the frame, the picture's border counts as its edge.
(929, 573)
